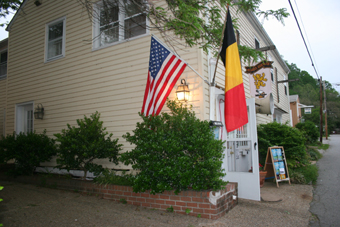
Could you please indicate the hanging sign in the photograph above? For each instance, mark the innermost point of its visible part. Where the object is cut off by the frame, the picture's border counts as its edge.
(308, 110)
(260, 79)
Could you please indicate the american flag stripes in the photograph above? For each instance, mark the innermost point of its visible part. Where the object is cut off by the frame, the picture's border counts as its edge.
(164, 70)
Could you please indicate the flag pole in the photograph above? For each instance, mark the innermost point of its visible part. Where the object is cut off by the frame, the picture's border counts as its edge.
(179, 58)
(221, 42)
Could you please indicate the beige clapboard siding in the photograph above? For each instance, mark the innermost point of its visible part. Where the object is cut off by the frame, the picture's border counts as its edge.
(3, 83)
(111, 80)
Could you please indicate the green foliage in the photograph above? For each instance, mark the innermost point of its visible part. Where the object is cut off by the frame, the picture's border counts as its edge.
(174, 151)
(170, 209)
(314, 154)
(309, 172)
(309, 130)
(200, 22)
(249, 54)
(308, 89)
(1, 187)
(80, 146)
(275, 134)
(7, 6)
(297, 177)
(123, 201)
(199, 215)
(110, 177)
(187, 211)
(27, 149)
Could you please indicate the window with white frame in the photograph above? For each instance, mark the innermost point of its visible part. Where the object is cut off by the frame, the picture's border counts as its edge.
(3, 64)
(115, 21)
(55, 39)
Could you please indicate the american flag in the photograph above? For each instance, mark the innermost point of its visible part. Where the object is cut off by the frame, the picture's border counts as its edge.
(164, 70)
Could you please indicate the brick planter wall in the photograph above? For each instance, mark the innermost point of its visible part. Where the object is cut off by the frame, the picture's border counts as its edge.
(208, 204)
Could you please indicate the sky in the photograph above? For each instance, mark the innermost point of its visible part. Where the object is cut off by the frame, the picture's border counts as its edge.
(320, 27)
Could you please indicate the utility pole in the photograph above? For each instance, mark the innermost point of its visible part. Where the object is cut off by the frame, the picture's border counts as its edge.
(321, 126)
(324, 96)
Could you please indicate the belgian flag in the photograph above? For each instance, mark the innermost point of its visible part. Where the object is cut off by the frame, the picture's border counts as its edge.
(235, 107)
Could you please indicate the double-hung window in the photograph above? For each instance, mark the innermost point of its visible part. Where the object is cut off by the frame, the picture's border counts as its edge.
(55, 39)
(115, 21)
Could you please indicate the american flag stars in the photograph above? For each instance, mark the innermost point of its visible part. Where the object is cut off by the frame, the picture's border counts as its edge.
(157, 56)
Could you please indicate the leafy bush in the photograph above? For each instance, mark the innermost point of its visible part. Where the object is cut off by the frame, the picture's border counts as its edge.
(297, 177)
(314, 154)
(27, 149)
(174, 151)
(80, 146)
(310, 173)
(275, 134)
(111, 177)
(309, 130)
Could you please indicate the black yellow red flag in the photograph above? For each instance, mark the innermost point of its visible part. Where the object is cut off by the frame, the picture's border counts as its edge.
(235, 107)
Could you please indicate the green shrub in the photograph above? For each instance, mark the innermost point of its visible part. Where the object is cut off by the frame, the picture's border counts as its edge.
(314, 154)
(310, 173)
(275, 134)
(111, 177)
(27, 149)
(1, 187)
(80, 146)
(309, 130)
(175, 151)
(297, 177)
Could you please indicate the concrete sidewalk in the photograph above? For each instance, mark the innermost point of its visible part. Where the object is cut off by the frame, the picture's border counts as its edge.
(29, 205)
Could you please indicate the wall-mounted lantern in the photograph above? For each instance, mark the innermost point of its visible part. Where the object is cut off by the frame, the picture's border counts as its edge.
(183, 91)
(39, 111)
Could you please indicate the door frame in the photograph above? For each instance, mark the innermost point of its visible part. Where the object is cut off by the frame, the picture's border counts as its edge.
(248, 182)
(20, 109)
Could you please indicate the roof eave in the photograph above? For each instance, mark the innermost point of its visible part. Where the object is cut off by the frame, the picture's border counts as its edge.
(256, 23)
(8, 28)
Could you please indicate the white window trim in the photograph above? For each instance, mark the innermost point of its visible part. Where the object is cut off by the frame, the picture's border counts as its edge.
(95, 30)
(5, 75)
(63, 19)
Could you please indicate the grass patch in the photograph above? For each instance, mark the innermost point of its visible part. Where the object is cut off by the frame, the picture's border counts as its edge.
(320, 145)
(305, 175)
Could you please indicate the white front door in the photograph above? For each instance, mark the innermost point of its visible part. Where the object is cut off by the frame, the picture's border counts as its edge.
(24, 118)
(241, 162)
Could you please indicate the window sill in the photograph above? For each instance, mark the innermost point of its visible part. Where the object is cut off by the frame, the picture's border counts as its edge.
(119, 42)
(54, 58)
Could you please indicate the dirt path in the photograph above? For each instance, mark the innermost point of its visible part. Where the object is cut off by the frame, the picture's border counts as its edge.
(29, 205)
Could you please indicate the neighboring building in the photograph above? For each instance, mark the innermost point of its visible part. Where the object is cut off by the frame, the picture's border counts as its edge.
(74, 67)
(295, 108)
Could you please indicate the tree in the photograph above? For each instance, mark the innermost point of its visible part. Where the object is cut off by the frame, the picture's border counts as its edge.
(308, 89)
(7, 6)
(197, 22)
